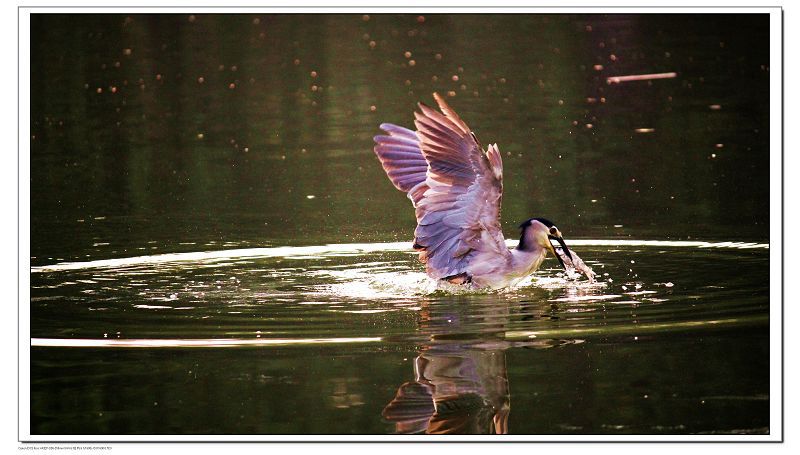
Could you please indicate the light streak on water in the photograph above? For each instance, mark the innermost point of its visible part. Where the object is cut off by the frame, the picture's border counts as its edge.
(190, 343)
(346, 249)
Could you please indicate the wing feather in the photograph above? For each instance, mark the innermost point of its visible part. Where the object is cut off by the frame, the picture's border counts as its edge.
(455, 186)
(401, 157)
(458, 216)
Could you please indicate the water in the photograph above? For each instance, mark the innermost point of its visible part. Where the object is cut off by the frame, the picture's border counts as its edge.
(225, 256)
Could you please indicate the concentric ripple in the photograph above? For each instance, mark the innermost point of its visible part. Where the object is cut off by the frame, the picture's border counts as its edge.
(377, 292)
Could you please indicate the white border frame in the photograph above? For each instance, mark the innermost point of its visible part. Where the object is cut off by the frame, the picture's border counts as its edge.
(776, 224)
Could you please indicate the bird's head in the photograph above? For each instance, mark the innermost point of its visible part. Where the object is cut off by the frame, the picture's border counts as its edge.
(540, 233)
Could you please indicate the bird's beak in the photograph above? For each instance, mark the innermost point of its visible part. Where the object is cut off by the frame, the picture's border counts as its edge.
(563, 246)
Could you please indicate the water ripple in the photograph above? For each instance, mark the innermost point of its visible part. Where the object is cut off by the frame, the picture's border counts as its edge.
(346, 249)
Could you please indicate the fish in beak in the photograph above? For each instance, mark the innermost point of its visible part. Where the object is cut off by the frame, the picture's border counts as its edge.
(560, 240)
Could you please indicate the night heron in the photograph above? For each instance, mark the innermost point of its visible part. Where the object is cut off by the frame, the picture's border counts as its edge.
(456, 188)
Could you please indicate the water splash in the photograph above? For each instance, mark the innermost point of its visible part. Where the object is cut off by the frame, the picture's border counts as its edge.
(366, 283)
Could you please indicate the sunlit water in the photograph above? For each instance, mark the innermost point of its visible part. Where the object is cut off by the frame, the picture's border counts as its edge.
(363, 315)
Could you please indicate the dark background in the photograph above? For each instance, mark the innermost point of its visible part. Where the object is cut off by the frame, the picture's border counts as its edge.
(159, 158)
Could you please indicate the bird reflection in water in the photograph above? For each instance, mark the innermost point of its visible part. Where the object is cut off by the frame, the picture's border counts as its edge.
(460, 380)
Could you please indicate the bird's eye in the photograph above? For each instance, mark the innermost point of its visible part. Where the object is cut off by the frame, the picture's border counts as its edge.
(553, 231)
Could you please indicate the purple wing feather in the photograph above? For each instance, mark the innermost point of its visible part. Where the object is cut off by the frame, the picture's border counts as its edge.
(401, 157)
(456, 188)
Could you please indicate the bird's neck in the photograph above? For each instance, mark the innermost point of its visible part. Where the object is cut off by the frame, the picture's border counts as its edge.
(526, 260)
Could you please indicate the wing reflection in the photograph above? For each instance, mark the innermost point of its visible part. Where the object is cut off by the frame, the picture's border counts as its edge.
(460, 380)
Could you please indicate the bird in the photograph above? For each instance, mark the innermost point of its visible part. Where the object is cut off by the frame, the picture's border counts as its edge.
(456, 188)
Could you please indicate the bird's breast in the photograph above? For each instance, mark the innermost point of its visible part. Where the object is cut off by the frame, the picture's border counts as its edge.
(498, 273)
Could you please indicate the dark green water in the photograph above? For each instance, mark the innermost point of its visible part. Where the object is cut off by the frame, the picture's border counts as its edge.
(243, 143)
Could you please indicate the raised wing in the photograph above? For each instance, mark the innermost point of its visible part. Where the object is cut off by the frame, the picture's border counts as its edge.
(458, 202)
(402, 159)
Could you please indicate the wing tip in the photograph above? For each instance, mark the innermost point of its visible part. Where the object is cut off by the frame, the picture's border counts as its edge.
(495, 160)
(397, 131)
(443, 106)
(450, 113)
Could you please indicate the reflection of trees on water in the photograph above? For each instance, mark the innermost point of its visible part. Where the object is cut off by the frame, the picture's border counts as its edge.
(460, 386)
